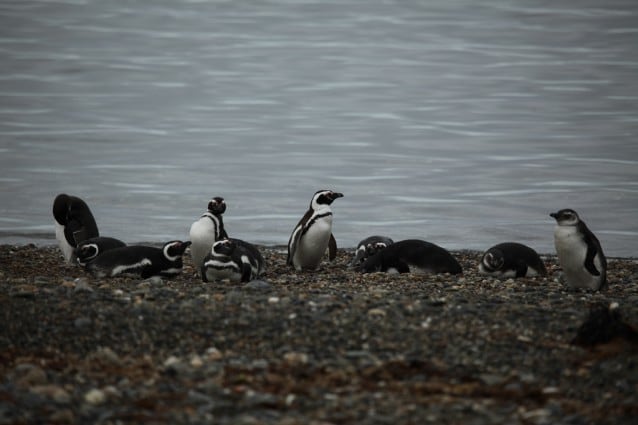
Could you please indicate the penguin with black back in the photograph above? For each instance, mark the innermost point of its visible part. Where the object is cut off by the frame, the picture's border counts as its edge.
(89, 249)
(232, 259)
(313, 234)
(140, 260)
(368, 247)
(511, 260)
(206, 230)
(412, 256)
(74, 223)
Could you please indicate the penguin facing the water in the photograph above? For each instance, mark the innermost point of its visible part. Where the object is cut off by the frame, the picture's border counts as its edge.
(412, 255)
(208, 229)
(74, 223)
(313, 234)
(144, 261)
(579, 252)
(511, 259)
(232, 259)
(88, 250)
(368, 247)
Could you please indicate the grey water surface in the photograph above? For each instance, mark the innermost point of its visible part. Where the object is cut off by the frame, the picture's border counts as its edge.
(460, 122)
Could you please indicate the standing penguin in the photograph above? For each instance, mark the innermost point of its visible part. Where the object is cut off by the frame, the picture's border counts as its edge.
(232, 259)
(208, 229)
(313, 233)
(511, 259)
(579, 252)
(89, 249)
(74, 223)
(145, 261)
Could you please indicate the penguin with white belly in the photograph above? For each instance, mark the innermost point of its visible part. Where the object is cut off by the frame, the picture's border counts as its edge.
(139, 260)
(208, 229)
(74, 223)
(232, 259)
(579, 252)
(313, 234)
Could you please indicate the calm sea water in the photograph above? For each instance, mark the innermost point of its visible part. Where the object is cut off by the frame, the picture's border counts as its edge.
(458, 122)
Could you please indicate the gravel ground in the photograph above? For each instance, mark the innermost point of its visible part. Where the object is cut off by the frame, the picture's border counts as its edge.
(328, 347)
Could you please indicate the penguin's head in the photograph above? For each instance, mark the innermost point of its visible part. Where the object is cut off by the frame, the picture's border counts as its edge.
(175, 249)
(566, 217)
(217, 205)
(324, 197)
(86, 252)
(61, 208)
(373, 248)
(223, 247)
(492, 260)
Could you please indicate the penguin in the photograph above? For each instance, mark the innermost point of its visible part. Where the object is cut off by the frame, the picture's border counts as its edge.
(232, 259)
(144, 261)
(89, 249)
(313, 233)
(511, 259)
(412, 255)
(368, 247)
(208, 229)
(579, 252)
(74, 223)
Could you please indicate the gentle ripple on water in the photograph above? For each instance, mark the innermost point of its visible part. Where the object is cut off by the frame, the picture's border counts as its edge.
(465, 129)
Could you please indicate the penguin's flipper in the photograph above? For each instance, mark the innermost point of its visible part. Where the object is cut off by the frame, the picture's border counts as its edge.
(589, 261)
(292, 245)
(202, 271)
(74, 232)
(332, 247)
(521, 268)
(246, 272)
(402, 267)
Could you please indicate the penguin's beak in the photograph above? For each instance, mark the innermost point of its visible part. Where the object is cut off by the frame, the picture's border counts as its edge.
(554, 215)
(186, 244)
(336, 195)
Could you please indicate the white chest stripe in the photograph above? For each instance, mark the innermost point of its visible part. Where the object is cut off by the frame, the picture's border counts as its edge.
(125, 267)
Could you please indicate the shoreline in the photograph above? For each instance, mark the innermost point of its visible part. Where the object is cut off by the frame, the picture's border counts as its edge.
(325, 347)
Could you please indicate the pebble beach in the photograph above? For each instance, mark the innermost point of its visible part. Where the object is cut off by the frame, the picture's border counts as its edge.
(326, 347)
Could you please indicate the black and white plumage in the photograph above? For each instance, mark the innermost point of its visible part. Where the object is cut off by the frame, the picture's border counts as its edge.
(511, 259)
(412, 255)
(74, 223)
(368, 247)
(313, 234)
(208, 229)
(579, 252)
(89, 249)
(144, 261)
(232, 259)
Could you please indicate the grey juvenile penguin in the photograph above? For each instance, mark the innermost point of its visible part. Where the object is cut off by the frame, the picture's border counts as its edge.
(579, 252)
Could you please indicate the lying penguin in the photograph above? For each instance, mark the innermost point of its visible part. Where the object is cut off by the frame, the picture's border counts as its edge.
(144, 261)
(511, 259)
(232, 259)
(88, 250)
(414, 256)
(368, 247)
